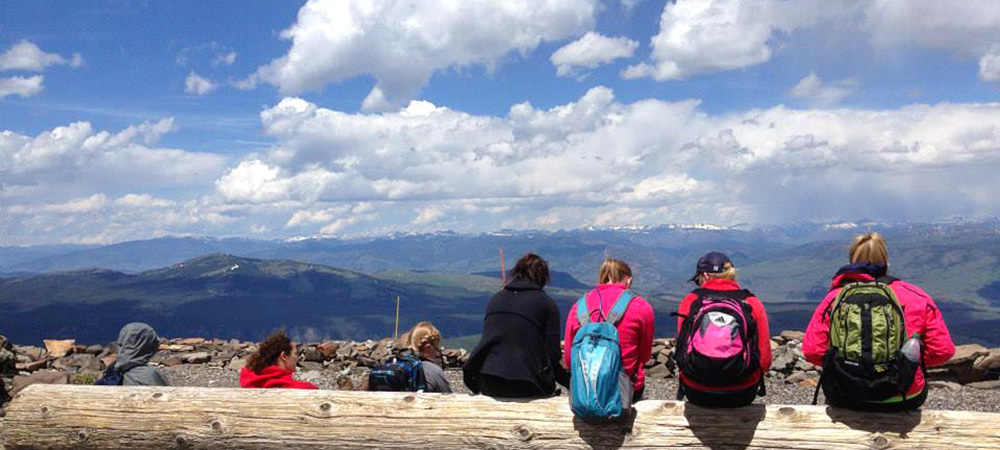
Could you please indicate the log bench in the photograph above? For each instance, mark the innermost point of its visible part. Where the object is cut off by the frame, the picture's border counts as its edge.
(98, 417)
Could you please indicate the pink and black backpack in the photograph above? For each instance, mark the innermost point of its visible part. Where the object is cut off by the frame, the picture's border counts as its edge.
(717, 345)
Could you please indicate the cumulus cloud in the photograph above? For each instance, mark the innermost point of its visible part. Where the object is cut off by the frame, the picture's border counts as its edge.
(968, 27)
(197, 85)
(814, 90)
(590, 51)
(595, 160)
(667, 160)
(27, 56)
(706, 36)
(402, 44)
(76, 157)
(21, 86)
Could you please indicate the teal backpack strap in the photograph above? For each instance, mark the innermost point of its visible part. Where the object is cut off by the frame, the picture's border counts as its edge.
(620, 306)
(582, 312)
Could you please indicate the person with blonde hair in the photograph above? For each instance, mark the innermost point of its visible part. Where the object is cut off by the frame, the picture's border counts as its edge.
(425, 342)
(723, 338)
(635, 326)
(923, 335)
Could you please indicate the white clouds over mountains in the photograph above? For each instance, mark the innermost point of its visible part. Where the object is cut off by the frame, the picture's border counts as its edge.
(401, 43)
(592, 161)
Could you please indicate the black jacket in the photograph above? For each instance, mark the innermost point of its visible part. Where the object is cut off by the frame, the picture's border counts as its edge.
(520, 339)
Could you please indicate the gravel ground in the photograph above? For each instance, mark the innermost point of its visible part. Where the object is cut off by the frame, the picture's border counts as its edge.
(965, 399)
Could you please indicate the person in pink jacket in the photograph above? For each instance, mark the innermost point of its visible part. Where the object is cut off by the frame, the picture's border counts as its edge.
(635, 330)
(869, 259)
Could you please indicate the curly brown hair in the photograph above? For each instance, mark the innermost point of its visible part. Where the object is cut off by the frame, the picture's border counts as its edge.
(269, 351)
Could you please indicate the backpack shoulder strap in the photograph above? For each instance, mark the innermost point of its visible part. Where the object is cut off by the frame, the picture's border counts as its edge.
(582, 312)
(618, 311)
(741, 294)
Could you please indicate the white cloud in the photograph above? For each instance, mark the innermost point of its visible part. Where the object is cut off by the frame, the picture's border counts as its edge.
(969, 27)
(224, 59)
(75, 158)
(401, 44)
(21, 86)
(595, 160)
(989, 65)
(197, 85)
(667, 160)
(821, 94)
(706, 36)
(590, 51)
(27, 56)
(212, 53)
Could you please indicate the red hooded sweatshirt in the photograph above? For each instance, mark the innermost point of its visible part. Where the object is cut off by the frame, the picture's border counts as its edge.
(272, 377)
(763, 334)
(635, 329)
(921, 315)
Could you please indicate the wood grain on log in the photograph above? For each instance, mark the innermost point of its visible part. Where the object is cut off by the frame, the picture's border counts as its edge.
(64, 417)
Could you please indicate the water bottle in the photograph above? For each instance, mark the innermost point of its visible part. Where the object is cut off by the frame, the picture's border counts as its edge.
(911, 348)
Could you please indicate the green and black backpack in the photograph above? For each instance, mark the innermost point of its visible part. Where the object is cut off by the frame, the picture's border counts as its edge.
(867, 330)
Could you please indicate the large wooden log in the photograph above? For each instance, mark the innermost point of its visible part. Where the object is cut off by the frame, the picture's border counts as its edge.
(65, 417)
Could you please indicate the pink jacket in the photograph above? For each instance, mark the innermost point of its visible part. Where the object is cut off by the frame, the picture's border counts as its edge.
(921, 315)
(635, 330)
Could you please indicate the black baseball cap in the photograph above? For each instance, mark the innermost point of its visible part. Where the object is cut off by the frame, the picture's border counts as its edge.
(712, 262)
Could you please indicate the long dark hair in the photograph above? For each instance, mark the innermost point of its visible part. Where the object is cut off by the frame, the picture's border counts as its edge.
(268, 352)
(533, 268)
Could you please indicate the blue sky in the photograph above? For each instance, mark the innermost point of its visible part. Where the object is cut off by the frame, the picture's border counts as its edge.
(127, 120)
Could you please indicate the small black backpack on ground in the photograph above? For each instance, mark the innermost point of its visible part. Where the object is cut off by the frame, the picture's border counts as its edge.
(111, 377)
(402, 372)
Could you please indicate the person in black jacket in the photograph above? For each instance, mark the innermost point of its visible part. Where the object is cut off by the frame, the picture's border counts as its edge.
(519, 354)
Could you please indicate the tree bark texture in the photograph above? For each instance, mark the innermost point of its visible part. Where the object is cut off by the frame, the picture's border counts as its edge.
(98, 417)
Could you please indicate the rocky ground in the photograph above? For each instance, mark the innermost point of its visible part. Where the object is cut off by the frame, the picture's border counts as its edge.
(968, 382)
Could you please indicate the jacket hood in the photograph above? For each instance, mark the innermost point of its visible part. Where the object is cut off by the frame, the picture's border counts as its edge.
(857, 272)
(520, 284)
(137, 343)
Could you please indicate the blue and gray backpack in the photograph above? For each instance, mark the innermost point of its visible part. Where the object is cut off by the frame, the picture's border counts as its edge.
(599, 388)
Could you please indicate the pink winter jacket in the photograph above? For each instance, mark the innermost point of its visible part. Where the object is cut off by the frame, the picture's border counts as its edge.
(635, 330)
(921, 315)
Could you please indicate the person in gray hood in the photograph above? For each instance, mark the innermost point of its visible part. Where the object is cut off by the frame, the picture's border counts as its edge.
(137, 343)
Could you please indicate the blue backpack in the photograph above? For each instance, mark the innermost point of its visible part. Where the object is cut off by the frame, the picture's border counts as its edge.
(402, 372)
(599, 388)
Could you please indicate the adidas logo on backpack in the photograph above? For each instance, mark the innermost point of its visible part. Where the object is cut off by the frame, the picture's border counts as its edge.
(599, 388)
(717, 344)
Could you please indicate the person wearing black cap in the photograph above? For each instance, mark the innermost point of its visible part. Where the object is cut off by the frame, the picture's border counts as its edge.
(723, 339)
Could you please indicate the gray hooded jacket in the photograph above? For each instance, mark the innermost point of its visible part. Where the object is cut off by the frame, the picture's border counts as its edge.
(137, 343)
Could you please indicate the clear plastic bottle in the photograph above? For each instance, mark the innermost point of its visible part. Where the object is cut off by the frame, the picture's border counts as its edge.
(911, 348)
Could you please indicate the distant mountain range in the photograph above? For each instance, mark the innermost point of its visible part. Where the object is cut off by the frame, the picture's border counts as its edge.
(183, 284)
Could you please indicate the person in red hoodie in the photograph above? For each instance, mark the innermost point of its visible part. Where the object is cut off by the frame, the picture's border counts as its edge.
(725, 347)
(273, 364)
(869, 261)
(635, 329)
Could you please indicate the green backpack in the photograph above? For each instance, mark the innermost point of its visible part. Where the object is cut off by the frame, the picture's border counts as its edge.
(867, 330)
